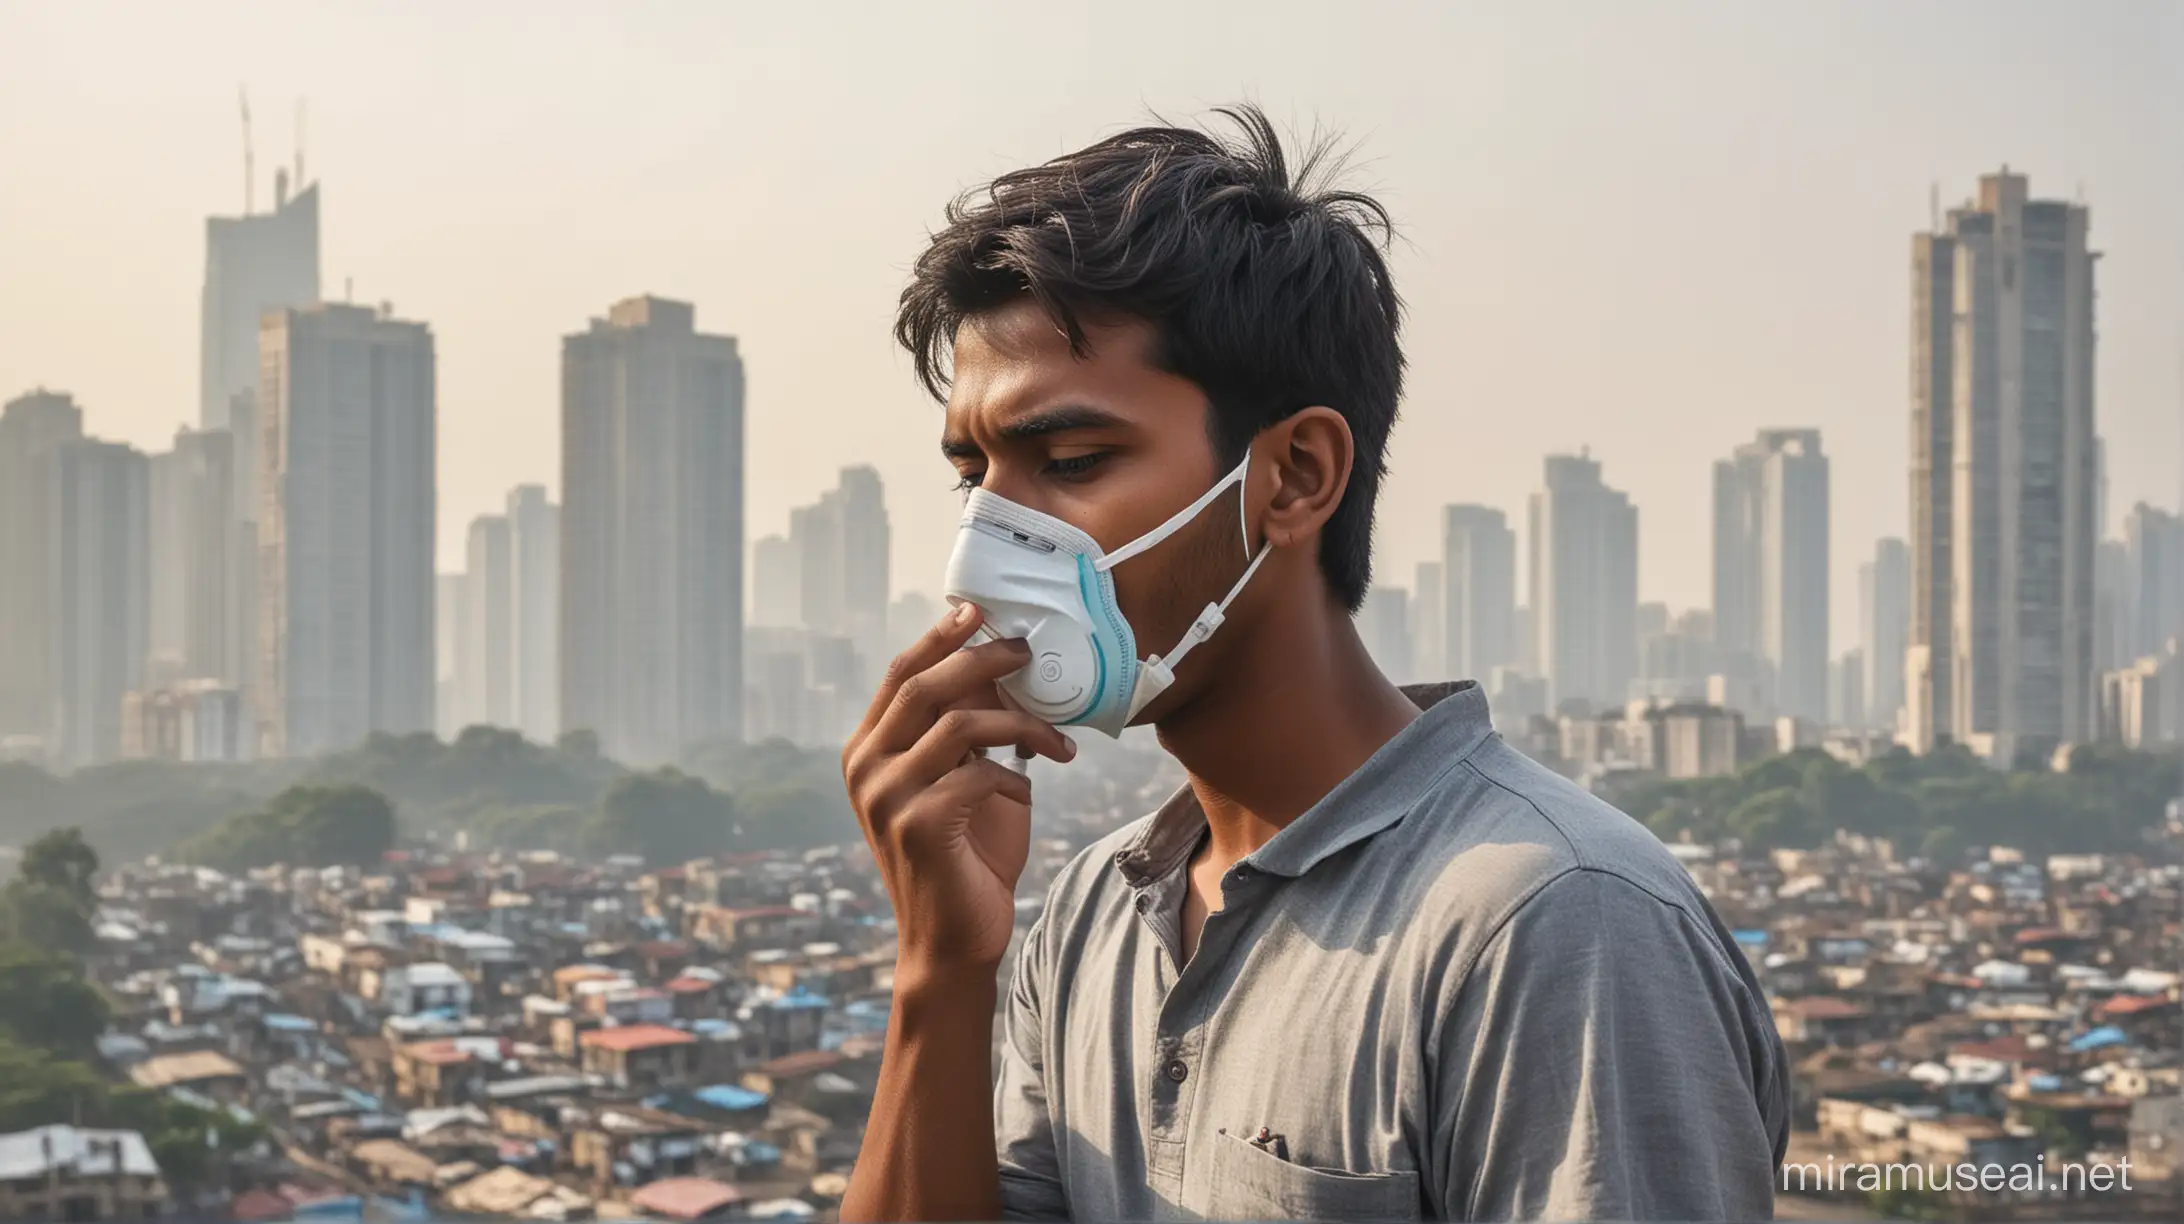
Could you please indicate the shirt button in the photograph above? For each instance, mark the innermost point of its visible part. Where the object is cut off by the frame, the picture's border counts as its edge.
(1177, 1071)
(1239, 875)
(1144, 902)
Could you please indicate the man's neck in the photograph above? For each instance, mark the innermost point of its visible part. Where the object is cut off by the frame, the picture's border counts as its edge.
(1300, 707)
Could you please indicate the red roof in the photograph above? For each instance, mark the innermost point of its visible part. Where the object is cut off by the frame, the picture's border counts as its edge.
(689, 985)
(2013, 1048)
(803, 1062)
(636, 1037)
(439, 1053)
(2133, 1005)
(258, 1205)
(686, 1198)
(2033, 935)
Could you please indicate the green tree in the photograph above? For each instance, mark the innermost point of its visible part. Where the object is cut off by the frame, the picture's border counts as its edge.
(63, 861)
(667, 816)
(305, 826)
(47, 1004)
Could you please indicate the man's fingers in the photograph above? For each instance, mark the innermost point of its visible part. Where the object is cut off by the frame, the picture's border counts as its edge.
(960, 791)
(965, 678)
(954, 628)
(949, 746)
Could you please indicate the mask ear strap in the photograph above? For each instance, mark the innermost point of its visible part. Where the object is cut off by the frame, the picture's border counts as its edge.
(1175, 521)
(1157, 673)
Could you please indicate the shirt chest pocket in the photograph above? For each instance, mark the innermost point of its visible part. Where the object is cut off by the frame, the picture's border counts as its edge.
(1247, 1183)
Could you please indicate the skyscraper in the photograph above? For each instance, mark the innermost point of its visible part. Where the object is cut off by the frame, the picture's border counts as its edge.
(838, 550)
(449, 615)
(1584, 584)
(777, 591)
(2153, 540)
(1771, 565)
(2004, 474)
(534, 613)
(1428, 624)
(483, 677)
(1884, 628)
(32, 427)
(193, 556)
(347, 426)
(651, 532)
(254, 264)
(99, 594)
(1479, 580)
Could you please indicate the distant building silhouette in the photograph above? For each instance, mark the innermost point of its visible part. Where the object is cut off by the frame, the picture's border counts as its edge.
(32, 427)
(1479, 603)
(193, 582)
(1884, 627)
(485, 671)
(1584, 584)
(346, 528)
(1771, 567)
(534, 613)
(2004, 476)
(254, 265)
(651, 532)
(99, 595)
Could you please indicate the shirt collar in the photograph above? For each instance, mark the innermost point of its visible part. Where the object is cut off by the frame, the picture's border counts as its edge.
(1380, 793)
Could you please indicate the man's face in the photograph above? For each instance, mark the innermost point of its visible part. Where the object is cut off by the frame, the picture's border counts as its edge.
(1107, 442)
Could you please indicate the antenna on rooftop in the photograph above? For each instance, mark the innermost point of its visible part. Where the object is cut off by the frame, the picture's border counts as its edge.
(249, 171)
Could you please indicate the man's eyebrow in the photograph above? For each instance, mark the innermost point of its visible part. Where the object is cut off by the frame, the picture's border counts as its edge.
(1038, 424)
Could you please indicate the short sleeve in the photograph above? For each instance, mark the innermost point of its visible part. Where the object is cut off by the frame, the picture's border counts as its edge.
(1602, 1059)
(1031, 1182)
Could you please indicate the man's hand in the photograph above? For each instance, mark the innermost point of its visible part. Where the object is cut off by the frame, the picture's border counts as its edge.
(949, 828)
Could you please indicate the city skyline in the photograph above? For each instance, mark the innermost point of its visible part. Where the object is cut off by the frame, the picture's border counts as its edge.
(1597, 342)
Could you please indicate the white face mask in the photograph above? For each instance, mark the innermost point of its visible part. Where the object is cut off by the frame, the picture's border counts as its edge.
(1038, 578)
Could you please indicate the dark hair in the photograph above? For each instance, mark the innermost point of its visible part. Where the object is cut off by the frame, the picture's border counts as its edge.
(1268, 290)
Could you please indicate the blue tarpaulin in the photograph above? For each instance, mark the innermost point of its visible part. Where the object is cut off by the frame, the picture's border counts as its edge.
(2098, 1039)
(731, 1097)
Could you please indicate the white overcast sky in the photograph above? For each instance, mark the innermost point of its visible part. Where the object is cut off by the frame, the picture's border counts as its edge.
(1649, 228)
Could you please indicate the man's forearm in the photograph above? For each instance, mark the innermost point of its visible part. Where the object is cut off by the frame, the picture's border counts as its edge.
(929, 1147)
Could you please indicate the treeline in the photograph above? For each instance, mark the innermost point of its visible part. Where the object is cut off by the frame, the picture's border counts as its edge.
(489, 786)
(50, 1068)
(1940, 804)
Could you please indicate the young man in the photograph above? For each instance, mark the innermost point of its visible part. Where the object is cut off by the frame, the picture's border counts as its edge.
(1372, 963)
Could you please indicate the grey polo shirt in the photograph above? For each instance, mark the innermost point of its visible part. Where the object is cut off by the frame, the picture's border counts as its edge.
(1459, 986)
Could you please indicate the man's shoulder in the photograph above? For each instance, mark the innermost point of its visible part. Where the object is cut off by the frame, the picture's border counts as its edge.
(1499, 829)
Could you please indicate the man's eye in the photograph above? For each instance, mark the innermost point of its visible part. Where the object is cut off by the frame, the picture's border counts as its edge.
(1076, 465)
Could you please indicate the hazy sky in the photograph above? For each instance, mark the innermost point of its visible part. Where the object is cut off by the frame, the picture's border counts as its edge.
(1647, 228)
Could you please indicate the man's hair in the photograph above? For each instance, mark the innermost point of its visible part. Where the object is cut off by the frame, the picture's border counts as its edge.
(1266, 289)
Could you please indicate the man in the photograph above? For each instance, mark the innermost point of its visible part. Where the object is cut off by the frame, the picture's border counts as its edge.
(1372, 963)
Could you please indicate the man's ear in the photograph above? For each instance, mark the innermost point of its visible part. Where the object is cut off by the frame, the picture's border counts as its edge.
(1311, 451)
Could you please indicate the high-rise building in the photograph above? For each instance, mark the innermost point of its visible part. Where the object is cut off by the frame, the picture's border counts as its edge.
(2004, 475)
(2153, 541)
(1771, 564)
(100, 596)
(534, 613)
(484, 679)
(651, 532)
(1583, 575)
(1884, 629)
(1428, 624)
(1846, 690)
(32, 427)
(193, 556)
(777, 590)
(347, 428)
(1479, 581)
(838, 554)
(1383, 623)
(909, 616)
(1675, 658)
(255, 264)
(2112, 605)
(449, 616)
